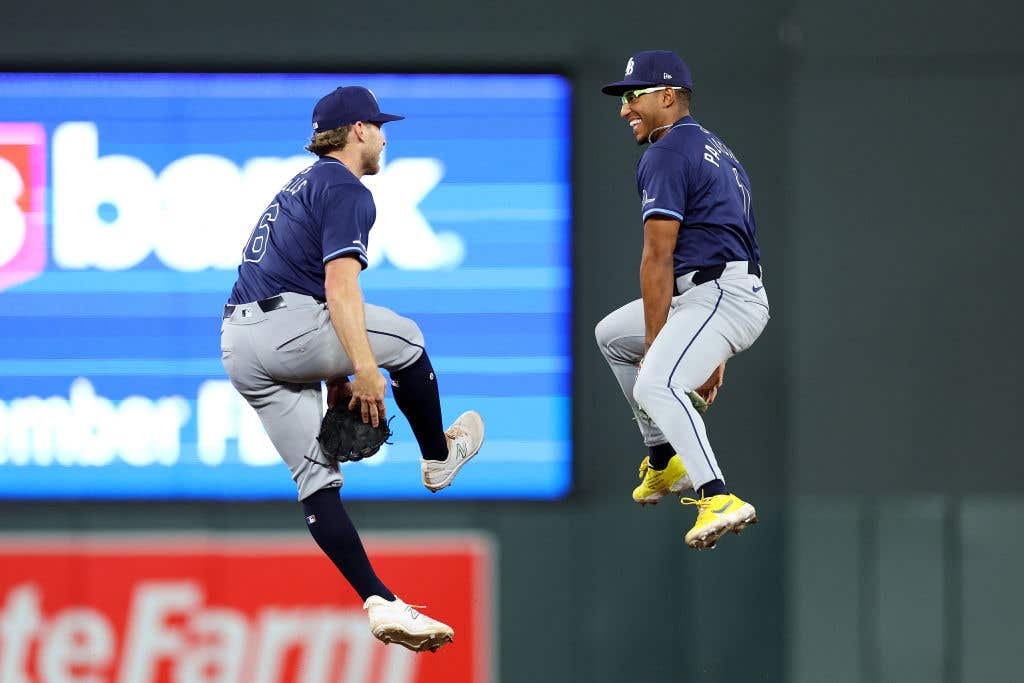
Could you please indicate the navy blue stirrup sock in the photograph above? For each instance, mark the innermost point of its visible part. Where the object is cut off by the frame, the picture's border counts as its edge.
(415, 391)
(660, 455)
(715, 487)
(334, 532)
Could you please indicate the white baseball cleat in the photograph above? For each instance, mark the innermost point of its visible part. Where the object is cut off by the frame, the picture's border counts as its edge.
(397, 622)
(465, 437)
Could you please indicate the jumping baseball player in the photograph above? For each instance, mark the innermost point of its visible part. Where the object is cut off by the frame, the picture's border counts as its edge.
(703, 300)
(296, 317)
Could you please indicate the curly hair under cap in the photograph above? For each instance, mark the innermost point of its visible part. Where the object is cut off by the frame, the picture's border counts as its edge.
(328, 141)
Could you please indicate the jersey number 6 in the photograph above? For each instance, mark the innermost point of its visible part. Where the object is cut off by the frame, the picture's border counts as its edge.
(256, 247)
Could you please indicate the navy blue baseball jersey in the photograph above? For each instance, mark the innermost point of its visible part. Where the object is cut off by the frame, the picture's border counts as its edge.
(323, 213)
(690, 175)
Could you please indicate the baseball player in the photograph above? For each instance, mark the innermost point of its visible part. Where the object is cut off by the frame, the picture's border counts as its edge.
(296, 317)
(703, 300)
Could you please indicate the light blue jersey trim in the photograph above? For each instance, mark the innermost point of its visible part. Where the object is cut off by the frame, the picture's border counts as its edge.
(678, 125)
(362, 254)
(675, 215)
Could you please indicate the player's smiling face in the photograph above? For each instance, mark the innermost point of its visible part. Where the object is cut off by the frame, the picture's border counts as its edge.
(644, 113)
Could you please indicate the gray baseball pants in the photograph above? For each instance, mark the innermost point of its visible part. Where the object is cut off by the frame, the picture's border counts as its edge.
(278, 359)
(707, 324)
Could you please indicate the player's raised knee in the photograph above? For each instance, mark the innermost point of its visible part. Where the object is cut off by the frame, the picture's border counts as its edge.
(646, 386)
(409, 332)
(604, 332)
(611, 337)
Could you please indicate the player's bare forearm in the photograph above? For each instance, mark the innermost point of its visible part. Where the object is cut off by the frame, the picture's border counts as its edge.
(656, 273)
(656, 289)
(348, 315)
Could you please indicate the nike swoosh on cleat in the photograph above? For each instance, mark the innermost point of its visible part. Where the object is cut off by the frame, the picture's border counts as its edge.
(723, 508)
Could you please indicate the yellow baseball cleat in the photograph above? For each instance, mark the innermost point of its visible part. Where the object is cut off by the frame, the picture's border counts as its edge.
(716, 516)
(659, 483)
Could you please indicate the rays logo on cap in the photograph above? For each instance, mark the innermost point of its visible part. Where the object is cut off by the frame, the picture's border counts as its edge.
(629, 66)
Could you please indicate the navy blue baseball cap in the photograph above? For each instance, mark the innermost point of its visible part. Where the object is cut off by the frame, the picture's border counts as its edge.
(651, 68)
(347, 105)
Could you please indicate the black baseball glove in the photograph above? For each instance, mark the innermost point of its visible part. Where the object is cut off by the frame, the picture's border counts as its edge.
(344, 436)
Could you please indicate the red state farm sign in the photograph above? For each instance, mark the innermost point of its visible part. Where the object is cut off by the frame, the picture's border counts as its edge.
(232, 609)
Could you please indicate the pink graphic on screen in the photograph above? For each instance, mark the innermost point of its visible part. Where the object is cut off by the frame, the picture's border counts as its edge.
(22, 202)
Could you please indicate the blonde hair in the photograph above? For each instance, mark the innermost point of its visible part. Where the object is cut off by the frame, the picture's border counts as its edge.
(328, 141)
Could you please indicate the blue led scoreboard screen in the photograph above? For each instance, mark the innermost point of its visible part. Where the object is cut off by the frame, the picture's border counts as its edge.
(125, 202)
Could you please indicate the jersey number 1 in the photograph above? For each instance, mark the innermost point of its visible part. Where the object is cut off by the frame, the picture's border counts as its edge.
(744, 192)
(256, 247)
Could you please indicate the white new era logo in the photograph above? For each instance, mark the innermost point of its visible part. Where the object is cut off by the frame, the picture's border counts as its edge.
(665, 75)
